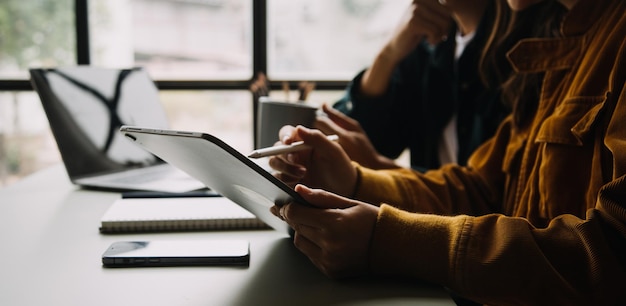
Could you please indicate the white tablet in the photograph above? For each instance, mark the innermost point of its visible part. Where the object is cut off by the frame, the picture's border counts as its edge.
(219, 167)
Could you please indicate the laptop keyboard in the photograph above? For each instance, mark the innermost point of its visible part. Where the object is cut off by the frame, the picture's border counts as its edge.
(164, 178)
(143, 175)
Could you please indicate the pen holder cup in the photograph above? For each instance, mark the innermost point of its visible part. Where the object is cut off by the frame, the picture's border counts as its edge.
(273, 115)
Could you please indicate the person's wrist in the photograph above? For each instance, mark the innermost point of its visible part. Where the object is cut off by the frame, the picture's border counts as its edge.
(383, 162)
(357, 182)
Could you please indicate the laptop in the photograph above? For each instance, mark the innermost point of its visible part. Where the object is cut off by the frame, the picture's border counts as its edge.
(85, 107)
(222, 168)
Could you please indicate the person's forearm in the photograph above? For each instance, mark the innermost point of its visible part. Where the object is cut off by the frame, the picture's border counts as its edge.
(376, 78)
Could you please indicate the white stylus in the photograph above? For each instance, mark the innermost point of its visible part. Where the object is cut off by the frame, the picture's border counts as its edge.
(293, 147)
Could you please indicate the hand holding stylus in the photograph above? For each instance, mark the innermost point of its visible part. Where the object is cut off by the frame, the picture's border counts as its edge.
(293, 147)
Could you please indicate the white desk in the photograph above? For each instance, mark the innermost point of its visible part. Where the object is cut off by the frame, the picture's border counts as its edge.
(51, 255)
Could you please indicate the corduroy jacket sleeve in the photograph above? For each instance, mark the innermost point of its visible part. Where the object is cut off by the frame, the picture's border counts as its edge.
(450, 190)
(494, 258)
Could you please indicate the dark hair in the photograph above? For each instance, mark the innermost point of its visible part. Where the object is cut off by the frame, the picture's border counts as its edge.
(520, 91)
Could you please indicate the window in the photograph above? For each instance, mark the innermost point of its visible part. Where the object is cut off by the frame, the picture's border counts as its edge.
(174, 40)
(327, 40)
(35, 33)
(204, 110)
(26, 143)
(203, 55)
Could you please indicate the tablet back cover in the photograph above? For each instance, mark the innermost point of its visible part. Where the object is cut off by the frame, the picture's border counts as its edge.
(220, 167)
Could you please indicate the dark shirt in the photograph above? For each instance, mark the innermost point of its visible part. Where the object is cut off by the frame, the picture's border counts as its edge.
(426, 89)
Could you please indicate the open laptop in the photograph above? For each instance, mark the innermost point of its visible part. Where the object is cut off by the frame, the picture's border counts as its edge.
(85, 107)
(221, 168)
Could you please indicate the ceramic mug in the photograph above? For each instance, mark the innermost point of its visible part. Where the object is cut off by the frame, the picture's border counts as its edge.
(274, 114)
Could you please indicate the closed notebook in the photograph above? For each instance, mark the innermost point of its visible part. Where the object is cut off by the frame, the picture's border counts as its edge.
(176, 214)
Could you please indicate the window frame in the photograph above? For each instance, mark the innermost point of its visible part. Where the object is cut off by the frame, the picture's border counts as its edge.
(259, 60)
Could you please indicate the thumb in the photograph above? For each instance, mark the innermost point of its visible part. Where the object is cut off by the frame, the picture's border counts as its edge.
(322, 198)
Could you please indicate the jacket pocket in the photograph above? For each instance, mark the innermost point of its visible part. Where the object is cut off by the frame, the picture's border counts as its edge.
(572, 121)
(566, 146)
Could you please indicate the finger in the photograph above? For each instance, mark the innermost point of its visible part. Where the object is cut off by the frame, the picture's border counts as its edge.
(434, 30)
(324, 150)
(275, 211)
(323, 199)
(286, 168)
(301, 216)
(341, 119)
(278, 212)
(328, 127)
(307, 247)
(289, 180)
(287, 134)
(316, 139)
(307, 239)
(432, 19)
(432, 8)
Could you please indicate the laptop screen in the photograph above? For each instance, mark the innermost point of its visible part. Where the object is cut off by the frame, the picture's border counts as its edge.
(86, 106)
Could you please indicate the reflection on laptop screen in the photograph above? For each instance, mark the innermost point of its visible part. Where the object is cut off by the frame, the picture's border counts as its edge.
(85, 108)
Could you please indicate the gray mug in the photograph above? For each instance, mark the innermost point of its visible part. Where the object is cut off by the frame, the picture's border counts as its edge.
(273, 115)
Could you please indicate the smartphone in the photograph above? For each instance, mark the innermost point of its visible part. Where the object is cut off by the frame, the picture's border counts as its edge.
(162, 253)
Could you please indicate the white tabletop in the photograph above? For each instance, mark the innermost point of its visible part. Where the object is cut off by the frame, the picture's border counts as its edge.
(51, 255)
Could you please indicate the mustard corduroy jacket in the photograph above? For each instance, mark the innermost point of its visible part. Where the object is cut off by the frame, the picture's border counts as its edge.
(539, 215)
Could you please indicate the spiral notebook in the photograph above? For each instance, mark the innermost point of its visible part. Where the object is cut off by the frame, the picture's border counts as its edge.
(128, 215)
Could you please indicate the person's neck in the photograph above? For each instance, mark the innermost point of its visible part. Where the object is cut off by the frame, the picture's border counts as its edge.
(468, 17)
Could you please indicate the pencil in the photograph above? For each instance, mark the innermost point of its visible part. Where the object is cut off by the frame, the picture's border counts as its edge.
(293, 147)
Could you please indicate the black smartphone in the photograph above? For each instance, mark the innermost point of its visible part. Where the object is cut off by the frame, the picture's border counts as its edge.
(162, 253)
